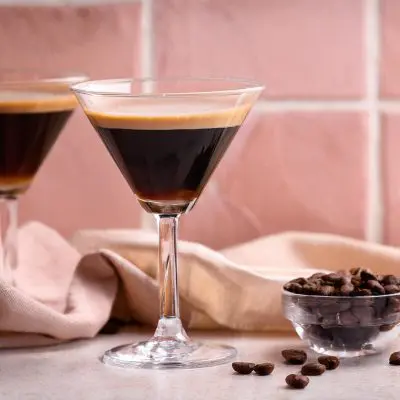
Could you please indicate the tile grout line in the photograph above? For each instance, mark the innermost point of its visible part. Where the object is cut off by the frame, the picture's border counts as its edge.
(147, 39)
(385, 105)
(374, 206)
(311, 105)
(56, 3)
(147, 221)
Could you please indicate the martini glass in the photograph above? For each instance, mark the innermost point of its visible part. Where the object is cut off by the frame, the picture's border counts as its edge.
(167, 137)
(33, 110)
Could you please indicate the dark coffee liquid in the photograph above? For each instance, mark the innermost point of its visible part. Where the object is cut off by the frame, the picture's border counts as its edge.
(26, 136)
(172, 164)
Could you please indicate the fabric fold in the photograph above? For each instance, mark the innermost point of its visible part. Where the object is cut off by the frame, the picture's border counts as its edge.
(64, 291)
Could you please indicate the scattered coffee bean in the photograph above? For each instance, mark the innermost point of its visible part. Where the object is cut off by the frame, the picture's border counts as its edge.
(313, 369)
(243, 368)
(395, 358)
(295, 357)
(330, 362)
(387, 328)
(263, 369)
(297, 381)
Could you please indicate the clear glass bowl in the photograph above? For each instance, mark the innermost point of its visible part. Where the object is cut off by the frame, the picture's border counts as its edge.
(344, 326)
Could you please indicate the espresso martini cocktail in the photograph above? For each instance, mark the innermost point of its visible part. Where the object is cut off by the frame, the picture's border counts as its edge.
(168, 158)
(33, 111)
(31, 120)
(167, 137)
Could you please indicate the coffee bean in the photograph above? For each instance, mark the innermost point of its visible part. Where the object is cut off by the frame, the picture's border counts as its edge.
(334, 278)
(263, 369)
(293, 287)
(391, 289)
(346, 290)
(327, 291)
(375, 287)
(301, 281)
(347, 318)
(395, 358)
(387, 328)
(389, 280)
(367, 275)
(313, 369)
(365, 314)
(355, 271)
(393, 306)
(346, 279)
(243, 368)
(297, 381)
(361, 292)
(330, 362)
(310, 288)
(316, 276)
(356, 281)
(295, 357)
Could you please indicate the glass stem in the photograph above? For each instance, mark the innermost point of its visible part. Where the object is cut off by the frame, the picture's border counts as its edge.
(169, 324)
(8, 237)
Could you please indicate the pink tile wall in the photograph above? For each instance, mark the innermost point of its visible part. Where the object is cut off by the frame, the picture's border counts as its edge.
(390, 117)
(78, 185)
(391, 174)
(390, 60)
(300, 49)
(286, 171)
(300, 162)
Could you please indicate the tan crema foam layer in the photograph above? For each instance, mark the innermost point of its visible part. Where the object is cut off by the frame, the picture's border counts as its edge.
(18, 101)
(166, 115)
(14, 184)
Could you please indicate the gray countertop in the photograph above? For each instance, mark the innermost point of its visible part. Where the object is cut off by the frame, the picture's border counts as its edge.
(73, 371)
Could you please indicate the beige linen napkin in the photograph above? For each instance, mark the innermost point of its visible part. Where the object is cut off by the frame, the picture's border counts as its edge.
(63, 292)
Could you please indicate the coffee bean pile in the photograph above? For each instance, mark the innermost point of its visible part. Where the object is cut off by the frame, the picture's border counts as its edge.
(356, 282)
(299, 357)
(342, 317)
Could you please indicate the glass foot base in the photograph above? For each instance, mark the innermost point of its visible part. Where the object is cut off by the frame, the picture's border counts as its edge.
(343, 353)
(164, 353)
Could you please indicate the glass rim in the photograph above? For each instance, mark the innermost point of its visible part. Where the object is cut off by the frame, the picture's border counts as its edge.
(247, 86)
(319, 297)
(67, 77)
